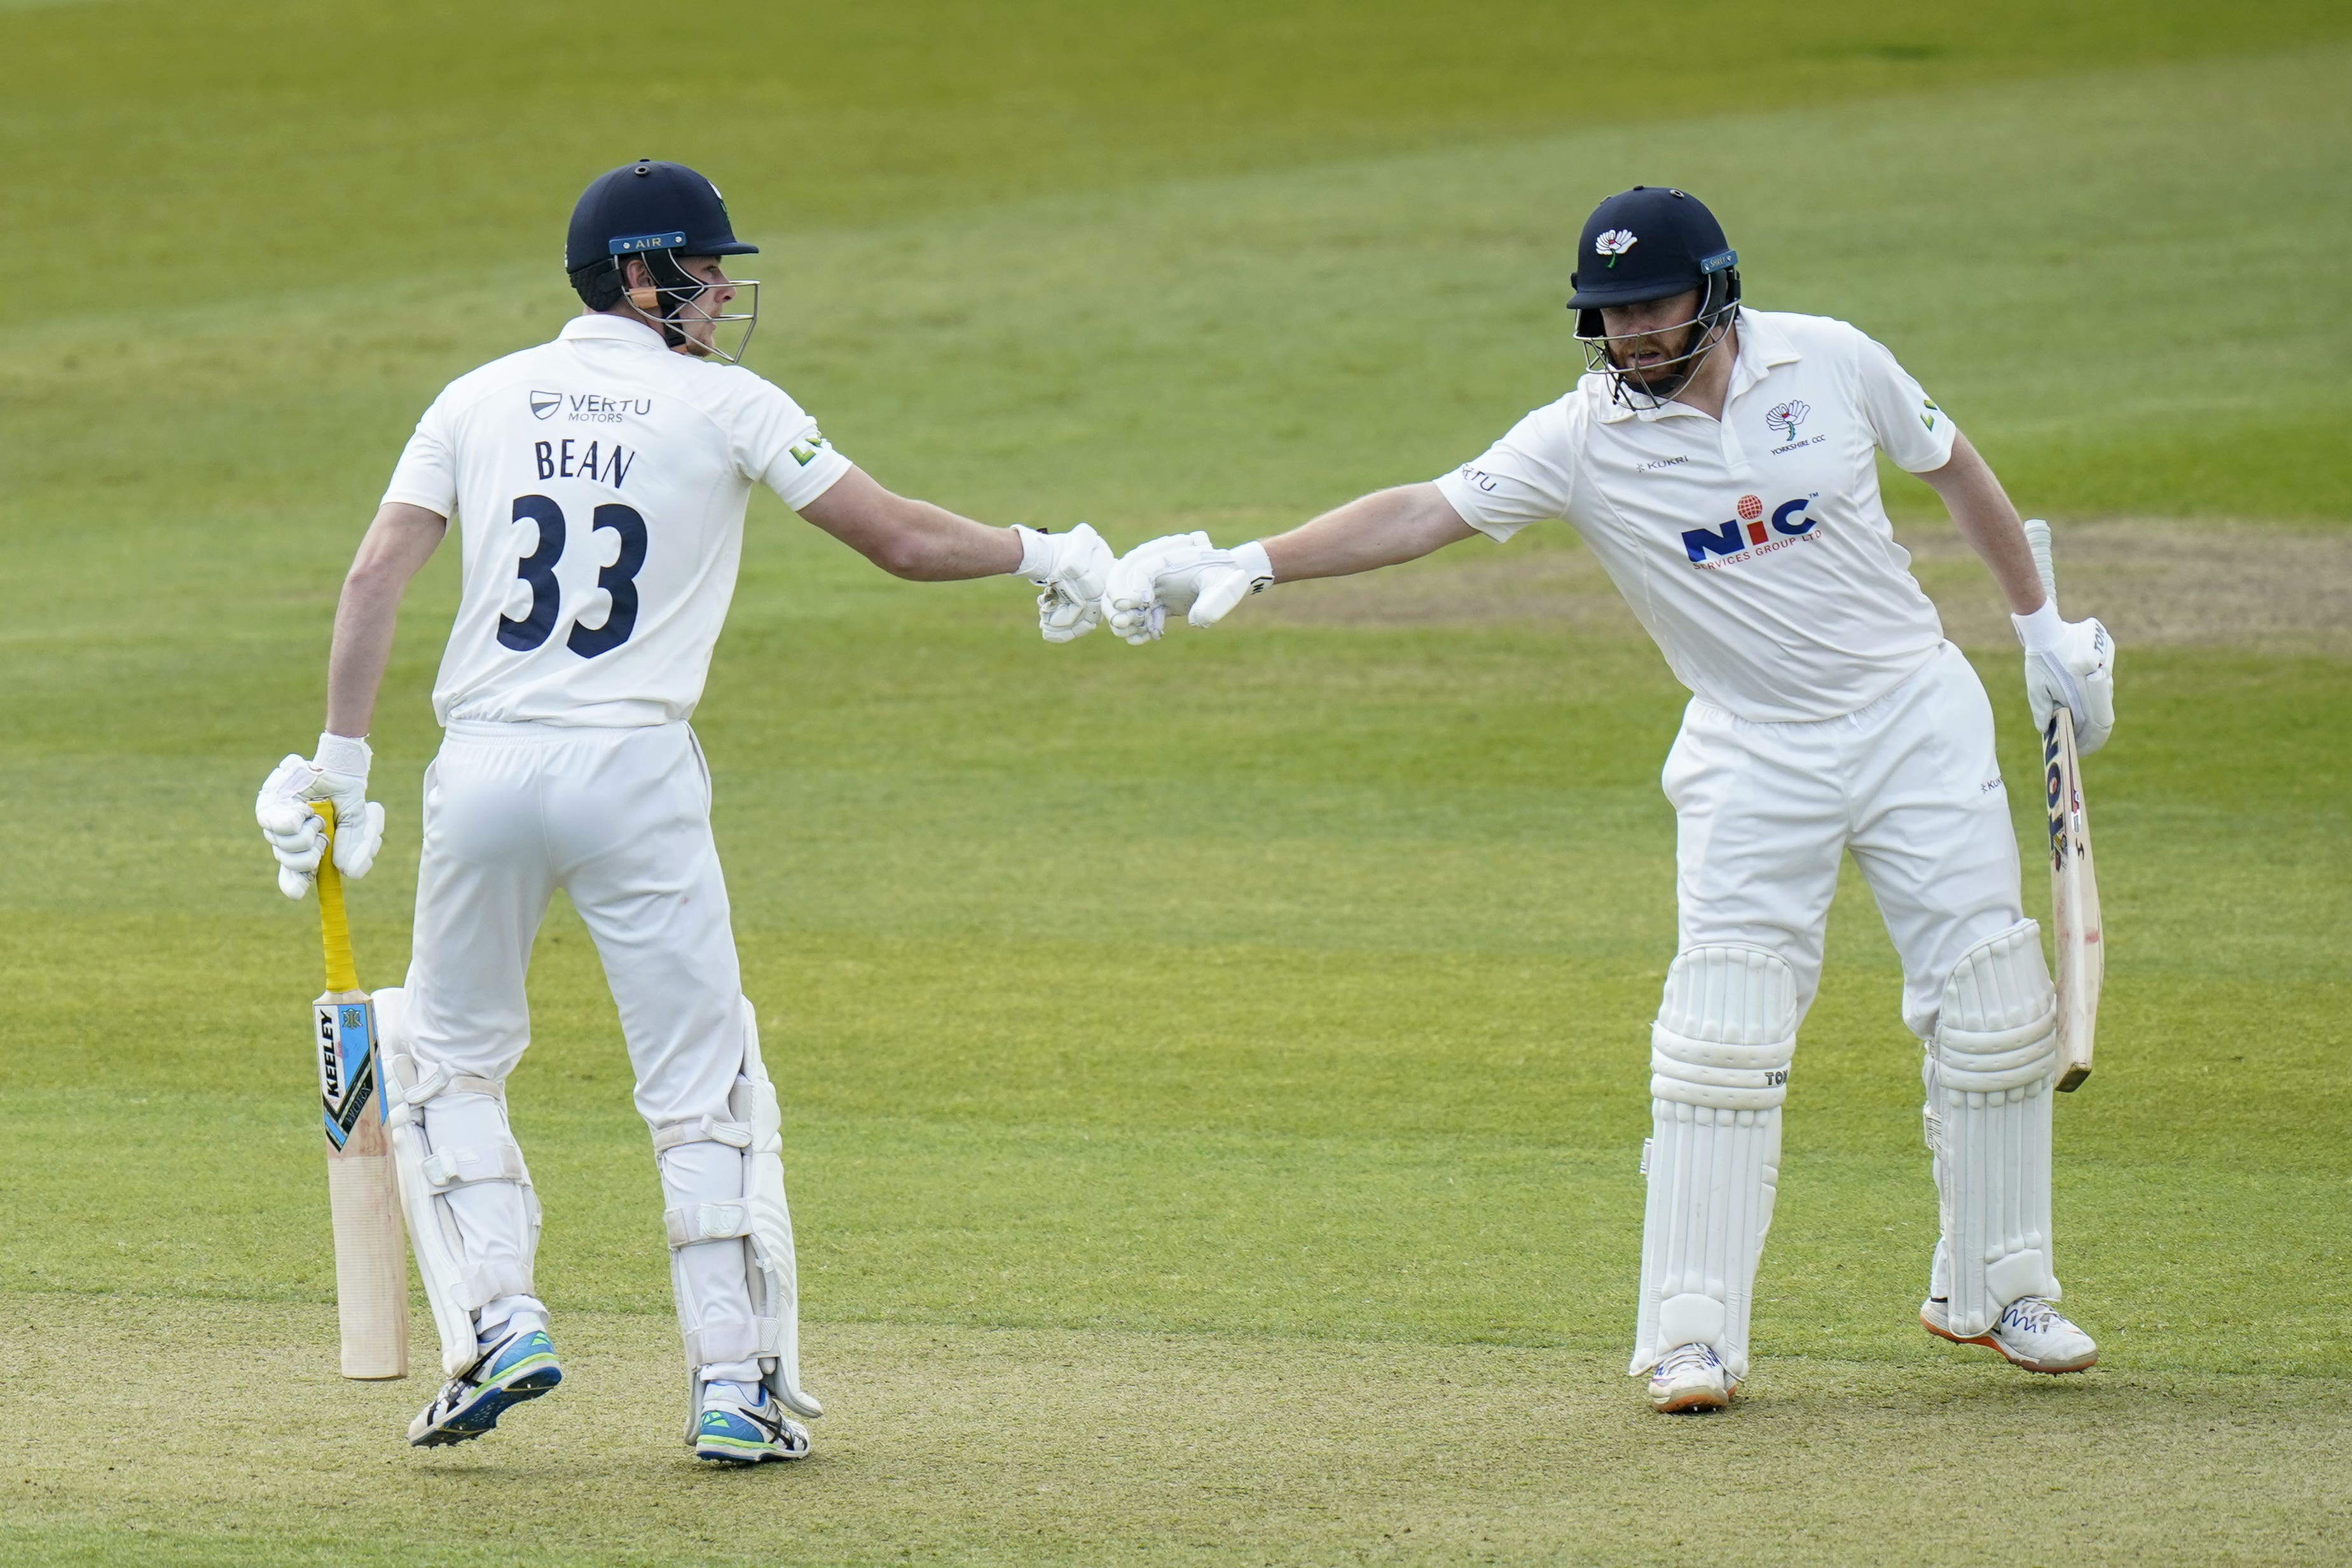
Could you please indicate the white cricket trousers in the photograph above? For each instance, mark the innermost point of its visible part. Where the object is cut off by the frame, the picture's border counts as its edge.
(620, 820)
(1764, 813)
(1909, 785)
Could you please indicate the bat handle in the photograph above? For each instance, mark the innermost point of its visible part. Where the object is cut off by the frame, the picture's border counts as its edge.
(2037, 539)
(334, 925)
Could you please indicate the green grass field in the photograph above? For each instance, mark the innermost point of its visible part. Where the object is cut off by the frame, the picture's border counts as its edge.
(1214, 1073)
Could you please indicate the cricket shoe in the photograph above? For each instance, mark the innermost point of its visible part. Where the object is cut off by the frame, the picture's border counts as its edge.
(1689, 1378)
(2032, 1333)
(512, 1368)
(734, 1430)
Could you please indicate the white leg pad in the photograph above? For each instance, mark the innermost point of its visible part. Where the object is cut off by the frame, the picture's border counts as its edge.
(461, 1170)
(1720, 1057)
(746, 1206)
(1989, 1074)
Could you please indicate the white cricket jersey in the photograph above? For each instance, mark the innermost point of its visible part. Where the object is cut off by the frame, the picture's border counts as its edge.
(599, 482)
(1755, 551)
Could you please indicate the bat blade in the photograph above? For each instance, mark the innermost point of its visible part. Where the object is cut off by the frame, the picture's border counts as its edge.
(2077, 938)
(362, 1197)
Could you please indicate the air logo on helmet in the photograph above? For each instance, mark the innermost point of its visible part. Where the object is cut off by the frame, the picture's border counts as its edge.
(636, 243)
(1786, 416)
(1614, 243)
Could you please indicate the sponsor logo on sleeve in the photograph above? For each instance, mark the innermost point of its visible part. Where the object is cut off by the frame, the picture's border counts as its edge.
(1751, 534)
(1927, 412)
(805, 450)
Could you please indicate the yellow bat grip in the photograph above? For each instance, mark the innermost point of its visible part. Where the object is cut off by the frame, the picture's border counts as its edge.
(334, 925)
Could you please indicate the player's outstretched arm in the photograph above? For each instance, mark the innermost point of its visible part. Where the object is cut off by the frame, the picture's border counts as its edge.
(927, 543)
(1184, 572)
(2065, 661)
(397, 545)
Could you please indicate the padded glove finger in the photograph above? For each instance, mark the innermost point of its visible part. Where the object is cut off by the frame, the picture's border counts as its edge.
(1061, 618)
(2050, 686)
(294, 833)
(1240, 572)
(1084, 564)
(2096, 719)
(1139, 625)
(1220, 589)
(357, 838)
(300, 848)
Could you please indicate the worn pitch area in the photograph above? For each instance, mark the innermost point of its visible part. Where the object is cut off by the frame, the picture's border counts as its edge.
(1083, 1446)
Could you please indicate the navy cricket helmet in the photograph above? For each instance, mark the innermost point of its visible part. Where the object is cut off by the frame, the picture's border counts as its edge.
(1654, 242)
(658, 212)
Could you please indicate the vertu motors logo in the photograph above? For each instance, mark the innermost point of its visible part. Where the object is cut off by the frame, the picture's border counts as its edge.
(544, 405)
(1614, 243)
(1786, 416)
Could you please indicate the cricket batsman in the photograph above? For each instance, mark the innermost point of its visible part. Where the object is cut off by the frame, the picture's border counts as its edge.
(1721, 463)
(600, 483)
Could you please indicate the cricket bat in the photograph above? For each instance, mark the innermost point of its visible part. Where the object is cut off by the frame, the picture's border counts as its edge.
(363, 1196)
(2077, 938)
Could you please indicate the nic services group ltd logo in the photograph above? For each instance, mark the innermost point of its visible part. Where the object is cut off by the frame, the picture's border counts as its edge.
(1749, 535)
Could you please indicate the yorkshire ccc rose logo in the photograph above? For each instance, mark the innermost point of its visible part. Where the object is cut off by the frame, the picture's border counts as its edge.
(1614, 243)
(1786, 416)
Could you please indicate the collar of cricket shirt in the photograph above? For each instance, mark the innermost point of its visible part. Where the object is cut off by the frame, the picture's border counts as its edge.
(612, 329)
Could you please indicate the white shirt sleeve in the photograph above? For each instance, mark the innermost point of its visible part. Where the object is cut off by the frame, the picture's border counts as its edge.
(427, 474)
(1529, 476)
(1908, 426)
(779, 445)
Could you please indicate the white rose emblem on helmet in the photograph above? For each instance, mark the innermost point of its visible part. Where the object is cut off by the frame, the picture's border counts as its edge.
(1614, 243)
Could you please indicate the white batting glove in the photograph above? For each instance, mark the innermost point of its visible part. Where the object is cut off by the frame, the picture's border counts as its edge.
(1069, 569)
(296, 835)
(2073, 662)
(1182, 572)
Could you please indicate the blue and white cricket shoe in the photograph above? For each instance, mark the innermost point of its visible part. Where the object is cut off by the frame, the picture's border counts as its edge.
(1689, 1378)
(518, 1366)
(733, 1430)
(2031, 1332)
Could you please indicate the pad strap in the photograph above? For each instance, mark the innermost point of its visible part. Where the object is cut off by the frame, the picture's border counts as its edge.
(692, 1223)
(701, 1130)
(501, 1162)
(744, 1339)
(410, 1090)
(483, 1284)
